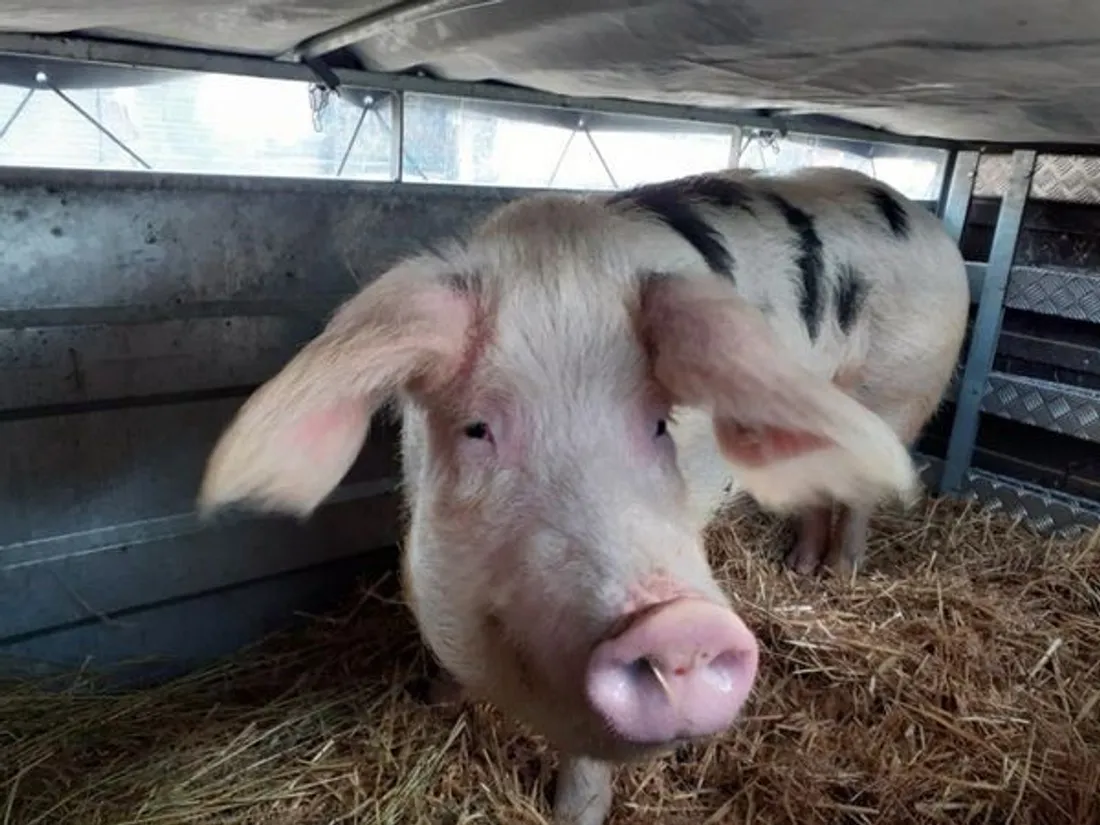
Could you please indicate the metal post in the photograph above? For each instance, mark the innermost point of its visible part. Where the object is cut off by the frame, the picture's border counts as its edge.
(954, 204)
(44, 80)
(18, 111)
(397, 135)
(354, 136)
(735, 148)
(987, 325)
(599, 156)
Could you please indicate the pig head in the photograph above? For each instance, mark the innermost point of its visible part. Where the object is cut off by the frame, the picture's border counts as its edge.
(551, 559)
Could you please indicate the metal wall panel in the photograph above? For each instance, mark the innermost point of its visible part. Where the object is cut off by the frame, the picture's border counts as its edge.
(1029, 412)
(72, 365)
(136, 313)
(146, 646)
(1069, 178)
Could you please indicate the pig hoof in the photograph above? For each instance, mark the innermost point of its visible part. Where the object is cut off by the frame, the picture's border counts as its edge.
(805, 556)
(811, 543)
(803, 560)
(583, 795)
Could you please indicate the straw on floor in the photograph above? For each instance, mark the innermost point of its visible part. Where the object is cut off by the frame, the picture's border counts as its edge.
(957, 680)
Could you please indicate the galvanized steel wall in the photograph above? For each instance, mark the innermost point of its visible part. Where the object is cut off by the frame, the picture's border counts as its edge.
(136, 313)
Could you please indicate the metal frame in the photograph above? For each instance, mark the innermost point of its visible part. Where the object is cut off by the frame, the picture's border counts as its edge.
(987, 324)
(39, 50)
(305, 64)
(958, 186)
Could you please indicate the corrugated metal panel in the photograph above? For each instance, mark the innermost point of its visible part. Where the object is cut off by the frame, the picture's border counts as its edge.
(136, 313)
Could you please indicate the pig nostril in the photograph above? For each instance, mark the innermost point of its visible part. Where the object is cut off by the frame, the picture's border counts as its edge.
(647, 667)
(726, 670)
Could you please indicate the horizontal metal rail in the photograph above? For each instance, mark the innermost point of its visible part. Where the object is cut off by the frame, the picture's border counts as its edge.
(34, 48)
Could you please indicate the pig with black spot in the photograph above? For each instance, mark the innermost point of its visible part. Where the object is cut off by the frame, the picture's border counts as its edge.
(583, 383)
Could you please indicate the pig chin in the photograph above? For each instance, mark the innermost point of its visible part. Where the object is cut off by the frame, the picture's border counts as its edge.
(553, 706)
(675, 671)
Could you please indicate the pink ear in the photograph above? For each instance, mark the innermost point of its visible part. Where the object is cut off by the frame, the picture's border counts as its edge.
(793, 438)
(297, 436)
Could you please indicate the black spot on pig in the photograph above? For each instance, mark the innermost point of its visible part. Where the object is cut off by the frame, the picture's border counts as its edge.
(464, 283)
(892, 211)
(21, 214)
(851, 293)
(57, 231)
(810, 263)
(675, 202)
(718, 191)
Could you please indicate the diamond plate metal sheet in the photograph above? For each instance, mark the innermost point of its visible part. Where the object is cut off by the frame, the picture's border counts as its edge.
(1046, 511)
(1069, 178)
(1064, 293)
(1048, 248)
(1072, 411)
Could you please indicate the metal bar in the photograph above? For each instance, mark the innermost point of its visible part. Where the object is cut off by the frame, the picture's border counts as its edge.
(561, 157)
(102, 129)
(185, 182)
(600, 157)
(945, 183)
(354, 137)
(18, 111)
(397, 134)
(86, 50)
(363, 27)
(987, 324)
(958, 191)
(317, 306)
(24, 553)
(736, 139)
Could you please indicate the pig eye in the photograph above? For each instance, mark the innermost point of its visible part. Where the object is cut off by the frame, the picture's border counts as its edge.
(478, 430)
(662, 427)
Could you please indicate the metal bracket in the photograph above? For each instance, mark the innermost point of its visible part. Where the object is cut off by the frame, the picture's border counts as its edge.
(954, 205)
(987, 324)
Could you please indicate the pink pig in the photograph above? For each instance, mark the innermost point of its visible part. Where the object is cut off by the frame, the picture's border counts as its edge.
(583, 383)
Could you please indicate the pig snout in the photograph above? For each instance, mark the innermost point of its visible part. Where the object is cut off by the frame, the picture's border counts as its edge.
(679, 670)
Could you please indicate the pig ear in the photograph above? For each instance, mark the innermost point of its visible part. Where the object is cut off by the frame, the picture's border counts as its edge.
(793, 438)
(297, 436)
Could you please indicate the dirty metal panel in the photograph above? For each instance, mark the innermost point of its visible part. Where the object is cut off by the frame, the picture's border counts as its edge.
(94, 240)
(73, 473)
(1068, 178)
(96, 583)
(146, 646)
(44, 366)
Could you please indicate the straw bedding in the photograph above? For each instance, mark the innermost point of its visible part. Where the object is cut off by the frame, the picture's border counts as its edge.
(957, 680)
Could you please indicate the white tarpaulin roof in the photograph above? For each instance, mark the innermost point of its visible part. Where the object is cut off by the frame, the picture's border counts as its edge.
(977, 70)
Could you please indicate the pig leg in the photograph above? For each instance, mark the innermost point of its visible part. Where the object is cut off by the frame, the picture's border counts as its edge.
(583, 796)
(848, 540)
(812, 540)
(847, 543)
